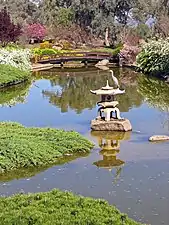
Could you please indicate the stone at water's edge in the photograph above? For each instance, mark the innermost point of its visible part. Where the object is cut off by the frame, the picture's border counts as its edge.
(103, 62)
(113, 125)
(159, 138)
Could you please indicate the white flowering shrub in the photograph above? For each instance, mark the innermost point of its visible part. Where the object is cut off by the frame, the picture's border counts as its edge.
(19, 58)
(154, 57)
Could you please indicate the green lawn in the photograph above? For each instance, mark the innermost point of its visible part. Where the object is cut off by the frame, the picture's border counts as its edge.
(59, 208)
(22, 147)
(114, 51)
(11, 75)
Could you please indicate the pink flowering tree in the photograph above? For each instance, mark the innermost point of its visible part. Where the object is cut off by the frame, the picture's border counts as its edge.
(35, 31)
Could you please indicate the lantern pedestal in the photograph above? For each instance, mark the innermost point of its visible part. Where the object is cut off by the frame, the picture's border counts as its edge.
(99, 124)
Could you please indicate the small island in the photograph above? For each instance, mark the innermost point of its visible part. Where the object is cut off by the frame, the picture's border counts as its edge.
(23, 147)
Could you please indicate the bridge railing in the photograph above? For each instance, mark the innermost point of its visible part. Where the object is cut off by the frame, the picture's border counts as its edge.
(61, 56)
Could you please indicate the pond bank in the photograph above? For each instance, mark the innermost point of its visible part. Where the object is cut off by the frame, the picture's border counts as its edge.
(39, 66)
(58, 207)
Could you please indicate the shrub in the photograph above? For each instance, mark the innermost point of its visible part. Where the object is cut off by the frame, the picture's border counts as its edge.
(22, 147)
(46, 51)
(45, 44)
(66, 44)
(128, 54)
(19, 58)
(154, 57)
(58, 207)
(36, 31)
(12, 75)
(117, 50)
(143, 31)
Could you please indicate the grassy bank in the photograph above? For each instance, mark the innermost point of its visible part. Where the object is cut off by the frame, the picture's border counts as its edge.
(58, 208)
(22, 147)
(10, 75)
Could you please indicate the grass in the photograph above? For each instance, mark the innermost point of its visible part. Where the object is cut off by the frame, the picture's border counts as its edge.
(22, 147)
(59, 208)
(114, 51)
(12, 75)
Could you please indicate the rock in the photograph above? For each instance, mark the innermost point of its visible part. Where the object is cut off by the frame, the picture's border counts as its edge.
(102, 67)
(112, 125)
(167, 79)
(159, 138)
(104, 62)
(57, 47)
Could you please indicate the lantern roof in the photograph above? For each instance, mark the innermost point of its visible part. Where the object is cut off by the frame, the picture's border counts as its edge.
(108, 90)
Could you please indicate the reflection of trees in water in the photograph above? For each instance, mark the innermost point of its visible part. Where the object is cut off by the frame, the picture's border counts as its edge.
(15, 94)
(156, 94)
(74, 90)
(155, 91)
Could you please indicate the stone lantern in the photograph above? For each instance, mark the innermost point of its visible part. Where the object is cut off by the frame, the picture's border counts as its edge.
(108, 117)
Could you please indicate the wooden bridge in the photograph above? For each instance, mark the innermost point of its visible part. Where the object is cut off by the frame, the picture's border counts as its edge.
(83, 57)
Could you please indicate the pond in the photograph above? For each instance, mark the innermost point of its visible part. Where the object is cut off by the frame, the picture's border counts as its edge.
(124, 169)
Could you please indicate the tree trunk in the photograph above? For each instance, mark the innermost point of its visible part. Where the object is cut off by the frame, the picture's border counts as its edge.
(107, 38)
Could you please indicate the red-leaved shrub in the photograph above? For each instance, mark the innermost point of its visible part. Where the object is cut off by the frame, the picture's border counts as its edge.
(128, 54)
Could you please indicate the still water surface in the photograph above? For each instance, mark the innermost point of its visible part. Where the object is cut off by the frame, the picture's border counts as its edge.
(124, 169)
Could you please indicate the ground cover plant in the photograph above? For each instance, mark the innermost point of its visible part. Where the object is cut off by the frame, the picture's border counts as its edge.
(56, 208)
(22, 147)
(11, 75)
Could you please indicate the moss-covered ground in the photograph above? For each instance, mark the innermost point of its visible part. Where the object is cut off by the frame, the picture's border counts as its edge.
(22, 147)
(59, 208)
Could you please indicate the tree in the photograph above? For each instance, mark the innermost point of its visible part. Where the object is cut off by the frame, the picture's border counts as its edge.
(9, 32)
(22, 11)
(35, 31)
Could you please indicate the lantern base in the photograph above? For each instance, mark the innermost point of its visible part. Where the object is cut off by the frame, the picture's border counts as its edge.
(100, 124)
